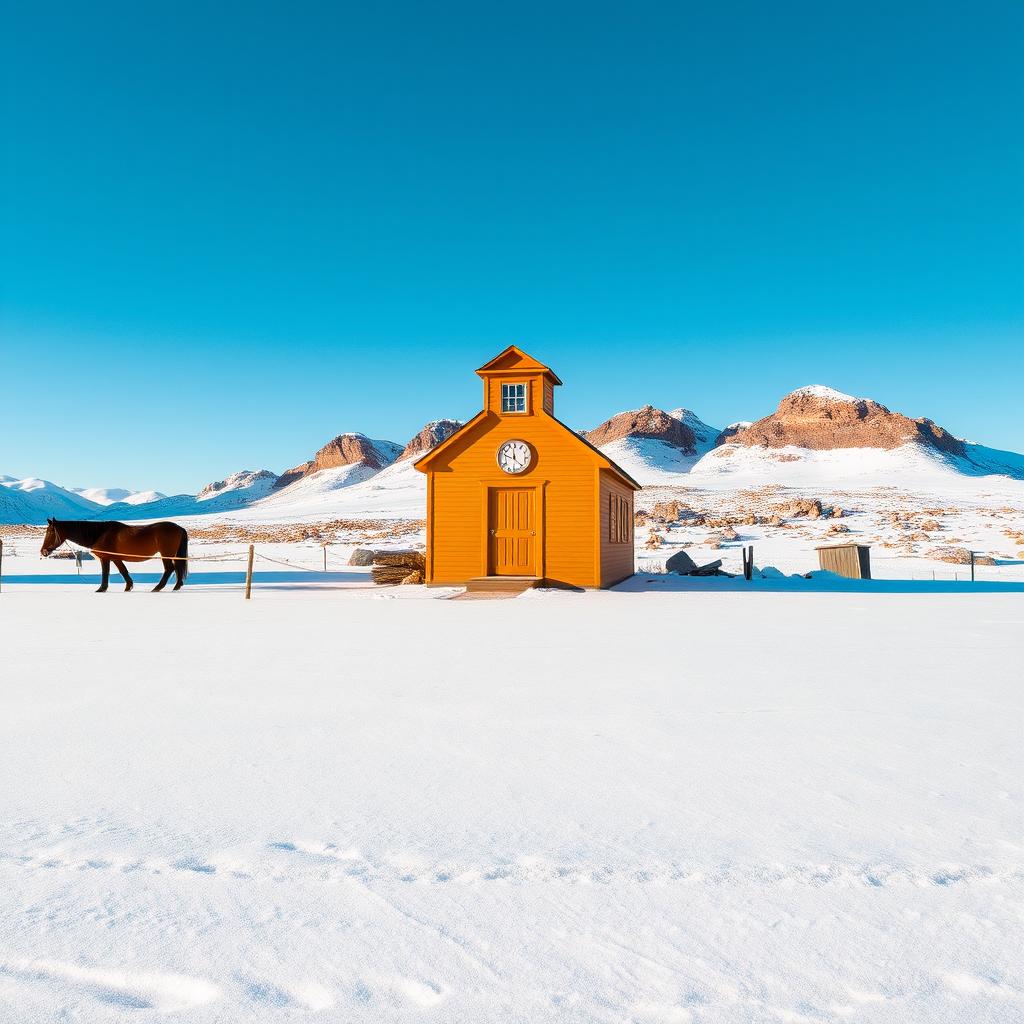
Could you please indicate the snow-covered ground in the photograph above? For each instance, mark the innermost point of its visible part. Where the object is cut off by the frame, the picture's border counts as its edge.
(686, 800)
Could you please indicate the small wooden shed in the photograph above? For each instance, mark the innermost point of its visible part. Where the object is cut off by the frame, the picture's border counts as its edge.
(852, 560)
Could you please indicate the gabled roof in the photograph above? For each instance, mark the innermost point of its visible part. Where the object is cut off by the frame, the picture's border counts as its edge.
(613, 466)
(514, 360)
(603, 460)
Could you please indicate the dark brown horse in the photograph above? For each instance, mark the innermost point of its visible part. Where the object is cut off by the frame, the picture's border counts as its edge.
(118, 543)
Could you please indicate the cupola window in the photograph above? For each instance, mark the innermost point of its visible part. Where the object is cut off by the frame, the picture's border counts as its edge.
(513, 398)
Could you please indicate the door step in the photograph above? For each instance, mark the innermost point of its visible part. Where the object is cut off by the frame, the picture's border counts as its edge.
(507, 585)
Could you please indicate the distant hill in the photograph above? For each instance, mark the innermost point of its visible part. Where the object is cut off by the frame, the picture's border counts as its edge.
(816, 436)
(350, 449)
(652, 445)
(43, 499)
(428, 438)
(820, 418)
(117, 495)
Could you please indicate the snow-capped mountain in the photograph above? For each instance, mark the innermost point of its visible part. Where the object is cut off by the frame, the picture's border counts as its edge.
(350, 475)
(647, 423)
(652, 445)
(116, 495)
(351, 449)
(429, 437)
(817, 436)
(820, 418)
(45, 499)
(252, 484)
(705, 437)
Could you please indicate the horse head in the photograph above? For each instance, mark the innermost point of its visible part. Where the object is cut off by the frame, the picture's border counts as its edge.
(52, 540)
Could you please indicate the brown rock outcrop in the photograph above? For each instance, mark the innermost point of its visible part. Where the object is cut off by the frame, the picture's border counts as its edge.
(429, 437)
(809, 507)
(645, 422)
(237, 481)
(344, 450)
(821, 419)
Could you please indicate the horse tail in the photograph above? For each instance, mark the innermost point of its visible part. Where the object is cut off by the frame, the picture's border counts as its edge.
(182, 564)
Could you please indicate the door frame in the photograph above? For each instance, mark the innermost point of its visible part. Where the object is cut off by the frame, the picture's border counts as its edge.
(539, 488)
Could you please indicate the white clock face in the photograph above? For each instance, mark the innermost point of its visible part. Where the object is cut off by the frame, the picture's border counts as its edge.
(514, 456)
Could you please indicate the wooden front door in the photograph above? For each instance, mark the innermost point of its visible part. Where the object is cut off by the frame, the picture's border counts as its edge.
(513, 532)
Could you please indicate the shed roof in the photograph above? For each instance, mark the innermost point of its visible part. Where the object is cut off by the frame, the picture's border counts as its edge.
(515, 360)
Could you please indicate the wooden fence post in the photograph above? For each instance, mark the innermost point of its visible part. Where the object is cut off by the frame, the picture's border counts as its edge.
(248, 576)
(325, 558)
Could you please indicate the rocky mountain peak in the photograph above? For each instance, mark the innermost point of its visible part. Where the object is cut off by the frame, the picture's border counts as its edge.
(429, 437)
(821, 418)
(705, 436)
(645, 422)
(237, 481)
(344, 450)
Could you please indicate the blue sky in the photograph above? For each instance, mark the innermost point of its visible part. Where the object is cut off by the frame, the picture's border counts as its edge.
(231, 231)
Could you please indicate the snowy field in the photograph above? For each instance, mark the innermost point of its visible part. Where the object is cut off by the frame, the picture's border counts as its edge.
(700, 801)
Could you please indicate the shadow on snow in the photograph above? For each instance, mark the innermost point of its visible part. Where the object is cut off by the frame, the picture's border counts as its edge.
(820, 583)
(290, 576)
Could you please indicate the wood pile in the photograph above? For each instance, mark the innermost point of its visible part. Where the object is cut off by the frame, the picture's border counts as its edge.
(399, 567)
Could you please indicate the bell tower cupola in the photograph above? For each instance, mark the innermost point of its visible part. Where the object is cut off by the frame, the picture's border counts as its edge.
(515, 384)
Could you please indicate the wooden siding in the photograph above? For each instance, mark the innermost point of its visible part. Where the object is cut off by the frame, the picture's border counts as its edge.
(617, 562)
(851, 560)
(534, 392)
(549, 397)
(562, 475)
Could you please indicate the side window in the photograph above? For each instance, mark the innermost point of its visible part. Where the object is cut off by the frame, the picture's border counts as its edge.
(620, 523)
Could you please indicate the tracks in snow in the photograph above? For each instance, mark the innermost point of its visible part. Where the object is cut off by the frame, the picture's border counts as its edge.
(302, 862)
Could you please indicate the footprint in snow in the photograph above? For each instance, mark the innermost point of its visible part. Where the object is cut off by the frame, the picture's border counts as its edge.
(418, 992)
(194, 864)
(303, 995)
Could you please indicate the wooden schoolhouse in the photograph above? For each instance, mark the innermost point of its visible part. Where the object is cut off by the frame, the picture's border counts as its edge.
(516, 498)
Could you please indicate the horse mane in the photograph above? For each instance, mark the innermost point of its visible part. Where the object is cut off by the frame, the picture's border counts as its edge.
(84, 531)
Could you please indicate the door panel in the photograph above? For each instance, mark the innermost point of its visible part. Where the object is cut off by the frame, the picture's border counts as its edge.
(512, 529)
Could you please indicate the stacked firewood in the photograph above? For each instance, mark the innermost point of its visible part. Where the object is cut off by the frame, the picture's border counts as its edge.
(398, 567)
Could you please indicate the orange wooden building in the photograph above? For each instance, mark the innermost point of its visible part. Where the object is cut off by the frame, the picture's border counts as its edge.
(515, 493)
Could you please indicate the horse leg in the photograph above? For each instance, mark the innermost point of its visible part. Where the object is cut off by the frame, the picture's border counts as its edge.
(168, 569)
(123, 570)
(180, 567)
(105, 575)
